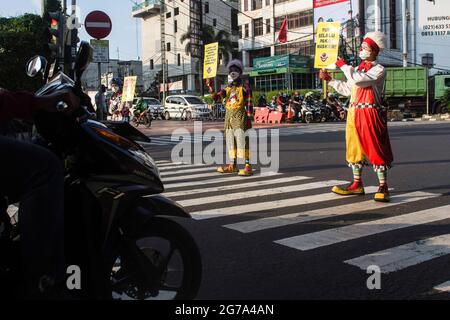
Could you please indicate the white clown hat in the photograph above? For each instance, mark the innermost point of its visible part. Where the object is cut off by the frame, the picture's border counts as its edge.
(376, 40)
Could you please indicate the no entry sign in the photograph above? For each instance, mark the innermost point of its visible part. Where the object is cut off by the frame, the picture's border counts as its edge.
(98, 24)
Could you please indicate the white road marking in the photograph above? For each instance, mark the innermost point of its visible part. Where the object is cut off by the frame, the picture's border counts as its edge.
(404, 256)
(323, 213)
(223, 178)
(270, 205)
(356, 231)
(235, 186)
(259, 193)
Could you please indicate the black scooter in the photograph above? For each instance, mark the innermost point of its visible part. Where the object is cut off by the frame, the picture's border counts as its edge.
(118, 228)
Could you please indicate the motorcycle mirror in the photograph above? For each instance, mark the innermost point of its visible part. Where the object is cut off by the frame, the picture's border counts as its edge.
(84, 57)
(35, 65)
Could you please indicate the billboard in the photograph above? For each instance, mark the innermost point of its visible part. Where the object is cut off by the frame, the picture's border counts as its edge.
(343, 11)
(433, 31)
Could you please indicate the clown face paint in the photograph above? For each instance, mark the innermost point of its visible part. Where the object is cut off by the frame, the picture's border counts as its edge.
(234, 75)
(364, 54)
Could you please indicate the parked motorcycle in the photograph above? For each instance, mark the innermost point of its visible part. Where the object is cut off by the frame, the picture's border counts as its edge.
(118, 228)
(336, 108)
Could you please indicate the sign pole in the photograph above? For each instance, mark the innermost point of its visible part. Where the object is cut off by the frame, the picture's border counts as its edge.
(325, 87)
(99, 74)
(428, 91)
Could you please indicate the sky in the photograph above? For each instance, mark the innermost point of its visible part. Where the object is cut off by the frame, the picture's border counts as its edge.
(123, 34)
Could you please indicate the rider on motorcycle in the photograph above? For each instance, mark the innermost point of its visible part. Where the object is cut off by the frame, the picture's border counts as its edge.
(141, 109)
(296, 105)
(34, 176)
(262, 102)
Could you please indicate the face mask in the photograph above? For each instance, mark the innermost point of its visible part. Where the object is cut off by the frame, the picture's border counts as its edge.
(364, 54)
(234, 75)
(115, 89)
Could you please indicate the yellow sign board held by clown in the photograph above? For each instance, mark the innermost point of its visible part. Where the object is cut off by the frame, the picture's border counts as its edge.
(129, 89)
(211, 60)
(327, 45)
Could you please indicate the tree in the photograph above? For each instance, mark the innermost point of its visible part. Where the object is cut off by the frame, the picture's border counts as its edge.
(210, 36)
(21, 38)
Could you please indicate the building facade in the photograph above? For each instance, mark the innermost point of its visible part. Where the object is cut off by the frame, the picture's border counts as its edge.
(179, 18)
(427, 30)
(417, 29)
(115, 68)
(259, 24)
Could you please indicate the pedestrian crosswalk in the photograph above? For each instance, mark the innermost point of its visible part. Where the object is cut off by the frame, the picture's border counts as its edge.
(165, 140)
(272, 202)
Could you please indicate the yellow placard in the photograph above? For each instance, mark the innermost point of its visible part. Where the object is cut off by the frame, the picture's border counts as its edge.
(211, 60)
(129, 88)
(327, 45)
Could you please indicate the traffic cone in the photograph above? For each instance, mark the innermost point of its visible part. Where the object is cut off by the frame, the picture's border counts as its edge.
(290, 115)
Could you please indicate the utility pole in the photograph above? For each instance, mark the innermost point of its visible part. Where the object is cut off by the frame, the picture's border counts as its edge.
(163, 47)
(42, 8)
(202, 51)
(404, 36)
(377, 15)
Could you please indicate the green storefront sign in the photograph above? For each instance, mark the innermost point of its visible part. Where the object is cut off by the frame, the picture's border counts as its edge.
(281, 64)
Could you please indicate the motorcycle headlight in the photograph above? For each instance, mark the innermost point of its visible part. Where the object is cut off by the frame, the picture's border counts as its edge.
(146, 158)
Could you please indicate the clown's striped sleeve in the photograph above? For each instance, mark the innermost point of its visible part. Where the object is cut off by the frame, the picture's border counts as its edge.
(248, 99)
(219, 95)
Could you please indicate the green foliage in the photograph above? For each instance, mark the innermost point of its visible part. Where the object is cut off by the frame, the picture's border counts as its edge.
(21, 38)
(208, 99)
(210, 36)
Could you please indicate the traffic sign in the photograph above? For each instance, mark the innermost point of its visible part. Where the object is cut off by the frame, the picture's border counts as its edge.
(101, 51)
(98, 24)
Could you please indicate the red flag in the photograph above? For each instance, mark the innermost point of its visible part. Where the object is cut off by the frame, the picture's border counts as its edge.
(282, 36)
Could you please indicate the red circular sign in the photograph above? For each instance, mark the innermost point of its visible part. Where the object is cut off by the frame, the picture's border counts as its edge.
(98, 24)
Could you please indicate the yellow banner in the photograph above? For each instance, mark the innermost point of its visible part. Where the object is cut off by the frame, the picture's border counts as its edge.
(327, 45)
(129, 88)
(211, 60)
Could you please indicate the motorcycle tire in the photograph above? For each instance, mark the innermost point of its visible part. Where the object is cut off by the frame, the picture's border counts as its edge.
(180, 241)
(148, 123)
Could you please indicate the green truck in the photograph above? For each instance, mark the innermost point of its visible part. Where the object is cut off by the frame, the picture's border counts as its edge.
(406, 89)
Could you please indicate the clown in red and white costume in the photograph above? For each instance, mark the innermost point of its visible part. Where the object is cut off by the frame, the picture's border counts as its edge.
(367, 137)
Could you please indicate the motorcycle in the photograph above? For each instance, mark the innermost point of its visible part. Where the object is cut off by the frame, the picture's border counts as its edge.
(337, 110)
(119, 230)
(144, 119)
(307, 112)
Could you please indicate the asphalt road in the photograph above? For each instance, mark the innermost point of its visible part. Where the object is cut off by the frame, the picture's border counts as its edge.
(313, 244)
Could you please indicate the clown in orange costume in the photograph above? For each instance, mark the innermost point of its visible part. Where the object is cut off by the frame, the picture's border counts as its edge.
(367, 136)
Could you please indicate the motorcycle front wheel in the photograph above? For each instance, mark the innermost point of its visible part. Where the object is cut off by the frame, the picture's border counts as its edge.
(170, 249)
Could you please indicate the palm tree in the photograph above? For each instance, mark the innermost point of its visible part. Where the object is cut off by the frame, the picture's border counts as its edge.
(209, 36)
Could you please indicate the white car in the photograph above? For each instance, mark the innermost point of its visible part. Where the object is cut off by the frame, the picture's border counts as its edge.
(185, 107)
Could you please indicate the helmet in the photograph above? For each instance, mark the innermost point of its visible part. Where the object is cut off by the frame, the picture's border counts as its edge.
(235, 63)
(116, 81)
(309, 95)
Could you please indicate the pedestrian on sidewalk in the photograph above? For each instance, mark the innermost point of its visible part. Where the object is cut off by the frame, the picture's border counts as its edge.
(239, 110)
(115, 104)
(100, 103)
(367, 136)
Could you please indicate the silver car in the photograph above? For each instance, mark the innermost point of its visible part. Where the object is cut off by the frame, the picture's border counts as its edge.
(156, 109)
(185, 107)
